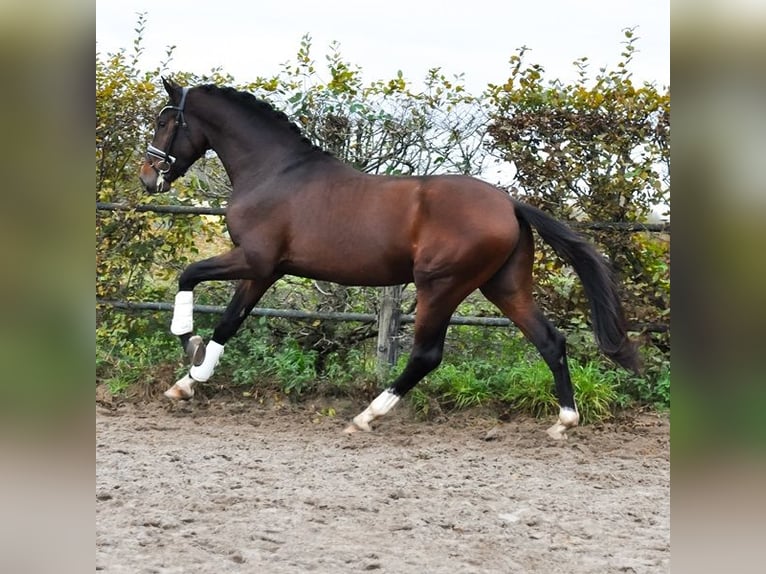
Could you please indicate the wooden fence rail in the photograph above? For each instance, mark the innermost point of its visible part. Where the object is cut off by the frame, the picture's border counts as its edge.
(300, 315)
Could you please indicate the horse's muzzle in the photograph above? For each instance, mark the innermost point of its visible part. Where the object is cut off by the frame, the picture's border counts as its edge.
(152, 179)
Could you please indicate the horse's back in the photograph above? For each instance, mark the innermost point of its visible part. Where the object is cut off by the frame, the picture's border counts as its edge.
(360, 229)
(412, 212)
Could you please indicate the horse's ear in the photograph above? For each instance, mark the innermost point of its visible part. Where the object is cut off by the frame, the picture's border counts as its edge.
(172, 88)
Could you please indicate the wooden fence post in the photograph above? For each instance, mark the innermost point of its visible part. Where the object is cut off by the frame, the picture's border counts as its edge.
(389, 321)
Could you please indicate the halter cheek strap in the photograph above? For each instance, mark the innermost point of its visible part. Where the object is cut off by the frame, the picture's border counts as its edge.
(167, 160)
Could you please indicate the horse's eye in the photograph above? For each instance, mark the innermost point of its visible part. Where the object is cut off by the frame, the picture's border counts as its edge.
(161, 123)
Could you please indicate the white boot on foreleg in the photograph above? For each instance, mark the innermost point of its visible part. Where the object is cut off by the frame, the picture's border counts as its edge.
(183, 313)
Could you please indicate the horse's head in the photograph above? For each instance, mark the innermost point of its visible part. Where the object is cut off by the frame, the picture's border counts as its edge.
(176, 144)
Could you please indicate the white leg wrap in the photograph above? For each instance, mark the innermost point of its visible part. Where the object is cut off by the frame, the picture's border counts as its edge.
(183, 310)
(203, 372)
(383, 403)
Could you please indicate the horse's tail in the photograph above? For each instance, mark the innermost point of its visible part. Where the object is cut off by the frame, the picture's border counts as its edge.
(608, 316)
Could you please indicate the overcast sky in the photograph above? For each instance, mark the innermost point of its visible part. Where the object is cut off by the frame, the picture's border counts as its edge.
(476, 37)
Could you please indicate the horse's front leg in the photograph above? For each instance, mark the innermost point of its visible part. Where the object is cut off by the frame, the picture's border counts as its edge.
(231, 265)
(246, 296)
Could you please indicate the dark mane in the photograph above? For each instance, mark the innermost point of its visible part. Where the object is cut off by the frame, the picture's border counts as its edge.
(263, 110)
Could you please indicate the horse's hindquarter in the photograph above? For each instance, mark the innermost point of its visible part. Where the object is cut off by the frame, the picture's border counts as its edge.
(375, 230)
(468, 227)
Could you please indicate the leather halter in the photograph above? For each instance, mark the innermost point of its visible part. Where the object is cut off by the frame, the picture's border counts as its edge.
(165, 159)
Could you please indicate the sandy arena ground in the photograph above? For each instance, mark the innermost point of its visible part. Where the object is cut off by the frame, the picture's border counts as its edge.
(226, 486)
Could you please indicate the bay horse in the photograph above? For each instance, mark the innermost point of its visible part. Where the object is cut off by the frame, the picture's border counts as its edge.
(297, 210)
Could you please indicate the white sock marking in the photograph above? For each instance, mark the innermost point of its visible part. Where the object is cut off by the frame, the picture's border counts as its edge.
(569, 417)
(182, 389)
(383, 403)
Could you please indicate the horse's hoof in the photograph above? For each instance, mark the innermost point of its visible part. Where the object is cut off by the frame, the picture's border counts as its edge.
(195, 350)
(182, 390)
(568, 418)
(356, 427)
(557, 432)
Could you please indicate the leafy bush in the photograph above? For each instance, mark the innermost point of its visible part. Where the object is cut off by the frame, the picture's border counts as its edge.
(591, 151)
(387, 127)
(129, 349)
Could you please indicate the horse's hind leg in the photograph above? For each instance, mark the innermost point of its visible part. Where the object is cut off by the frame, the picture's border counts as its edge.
(436, 303)
(511, 290)
(552, 346)
(427, 350)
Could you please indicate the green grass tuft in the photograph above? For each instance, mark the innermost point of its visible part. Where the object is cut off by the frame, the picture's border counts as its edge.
(479, 370)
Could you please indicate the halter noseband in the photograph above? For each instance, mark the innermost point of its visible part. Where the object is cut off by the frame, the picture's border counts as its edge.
(167, 160)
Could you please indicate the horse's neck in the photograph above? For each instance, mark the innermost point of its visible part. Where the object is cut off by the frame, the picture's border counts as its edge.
(253, 150)
(240, 142)
(239, 150)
